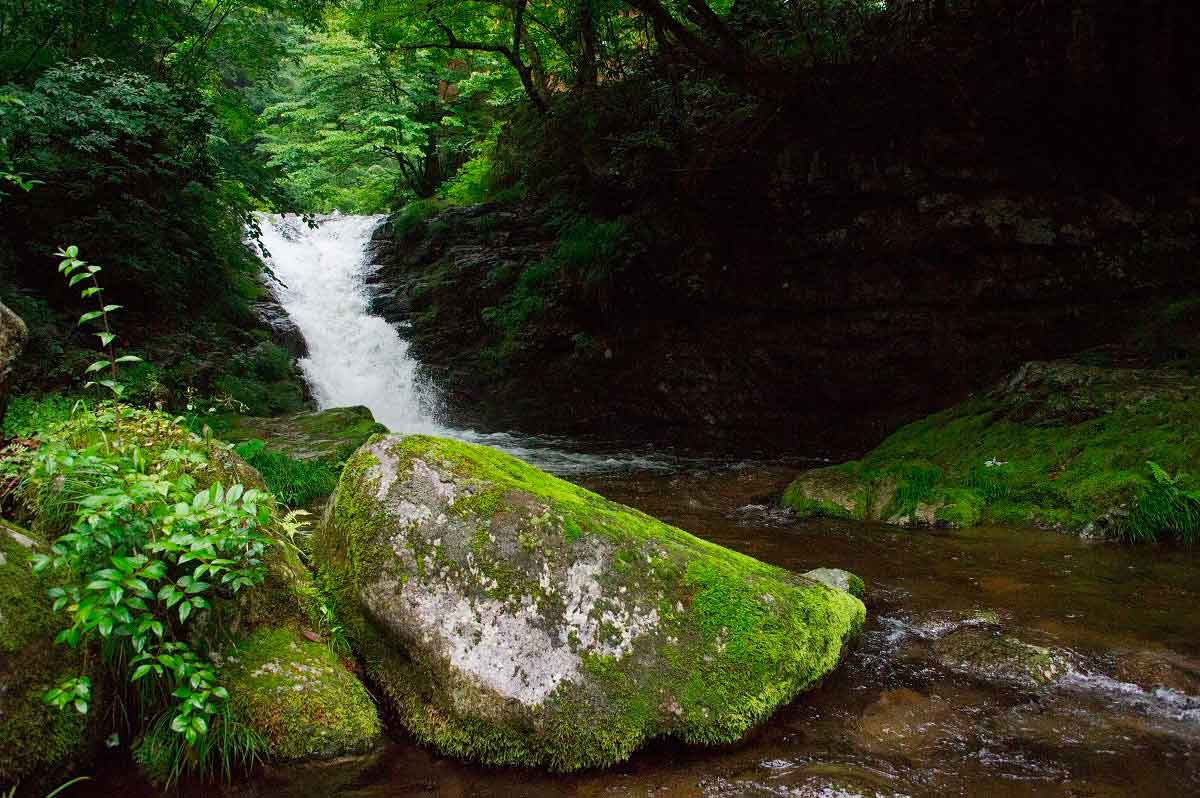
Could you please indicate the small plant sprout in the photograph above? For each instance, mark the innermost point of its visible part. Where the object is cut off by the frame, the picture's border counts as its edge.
(79, 271)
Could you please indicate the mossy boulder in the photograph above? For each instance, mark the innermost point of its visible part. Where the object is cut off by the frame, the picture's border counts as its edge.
(1057, 445)
(35, 739)
(299, 696)
(332, 434)
(513, 618)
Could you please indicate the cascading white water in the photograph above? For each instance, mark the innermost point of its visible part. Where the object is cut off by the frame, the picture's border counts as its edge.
(354, 358)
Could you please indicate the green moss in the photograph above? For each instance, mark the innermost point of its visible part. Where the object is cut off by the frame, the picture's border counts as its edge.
(1028, 456)
(959, 507)
(299, 696)
(34, 738)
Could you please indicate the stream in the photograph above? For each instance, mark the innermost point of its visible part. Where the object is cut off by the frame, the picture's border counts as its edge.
(894, 719)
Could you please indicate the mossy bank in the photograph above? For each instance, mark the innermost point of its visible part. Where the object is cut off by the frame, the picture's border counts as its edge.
(1058, 445)
(513, 618)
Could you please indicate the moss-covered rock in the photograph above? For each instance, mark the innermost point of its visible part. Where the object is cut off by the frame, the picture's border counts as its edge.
(1059, 445)
(513, 618)
(332, 434)
(840, 580)
(35, 739)
(299, 696)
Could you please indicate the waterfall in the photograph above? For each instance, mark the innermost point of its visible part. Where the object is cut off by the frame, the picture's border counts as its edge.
(354, 358)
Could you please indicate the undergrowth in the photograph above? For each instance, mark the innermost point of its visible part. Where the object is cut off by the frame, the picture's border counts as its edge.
(294, 482)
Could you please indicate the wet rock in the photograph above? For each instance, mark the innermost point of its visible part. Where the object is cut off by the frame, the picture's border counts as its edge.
(839, 580)
(510, 617)
(284, 330)
(991, 656)
(35, 740)
(331, 434)
(1154, 669)
(906, 723)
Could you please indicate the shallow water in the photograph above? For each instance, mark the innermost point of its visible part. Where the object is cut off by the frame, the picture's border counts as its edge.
(890, 721)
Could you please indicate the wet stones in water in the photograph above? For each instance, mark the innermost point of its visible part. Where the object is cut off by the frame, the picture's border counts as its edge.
(906, 723)
(513, 618)
(1151, 670)
(991, 656)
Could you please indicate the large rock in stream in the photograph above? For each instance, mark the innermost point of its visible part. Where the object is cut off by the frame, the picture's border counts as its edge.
(513, 618)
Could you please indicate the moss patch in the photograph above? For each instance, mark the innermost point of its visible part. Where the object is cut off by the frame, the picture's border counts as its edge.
(299, 696)
(34, 738)
(1058, 445)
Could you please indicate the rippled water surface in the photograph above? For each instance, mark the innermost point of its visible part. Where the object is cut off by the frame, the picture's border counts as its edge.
(891, 720)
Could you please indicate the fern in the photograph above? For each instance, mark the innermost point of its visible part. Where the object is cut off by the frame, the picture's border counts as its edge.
(1163, 511)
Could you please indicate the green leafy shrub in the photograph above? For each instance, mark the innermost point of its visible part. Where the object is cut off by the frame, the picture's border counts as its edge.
(27, 416)
(413, 218)
(145, 551)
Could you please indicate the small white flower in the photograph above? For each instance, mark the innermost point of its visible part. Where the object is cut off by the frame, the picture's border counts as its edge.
(190, 407)
(212, 409)
(995, 463)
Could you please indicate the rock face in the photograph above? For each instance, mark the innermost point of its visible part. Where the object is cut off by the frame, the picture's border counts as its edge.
(513, 618)
(1059, 444)
(283, 329)
(781, 327)
(12, 340)
(34, 739)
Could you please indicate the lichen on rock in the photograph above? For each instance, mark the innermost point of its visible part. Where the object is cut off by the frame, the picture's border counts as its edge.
(511, 617)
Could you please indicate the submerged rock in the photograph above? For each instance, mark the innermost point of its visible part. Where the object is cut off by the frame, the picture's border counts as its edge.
(1152, 670)
(991, 656)
(35, 739)
(513, 618)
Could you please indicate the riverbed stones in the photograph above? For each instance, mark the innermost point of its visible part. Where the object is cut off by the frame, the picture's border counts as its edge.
(513, 618)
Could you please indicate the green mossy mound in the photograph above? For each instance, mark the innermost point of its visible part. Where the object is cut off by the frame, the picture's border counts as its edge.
(299, 696)
(1058, 445)
(332, 434)
(513, 618)
(35, 739)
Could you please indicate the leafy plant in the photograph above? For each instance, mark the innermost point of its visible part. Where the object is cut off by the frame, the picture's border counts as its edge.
(146, 553)
(294, 482)
(79, 271)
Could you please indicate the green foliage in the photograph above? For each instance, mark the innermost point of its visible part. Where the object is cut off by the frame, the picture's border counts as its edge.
(294, 482)
(413, 219)
(262, 381)
(26, 416)
(145, 552)
(78, 271)
(1164, 510)
(164, 756)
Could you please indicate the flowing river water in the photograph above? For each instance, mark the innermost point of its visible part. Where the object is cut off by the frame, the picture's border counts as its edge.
(1122, 718)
